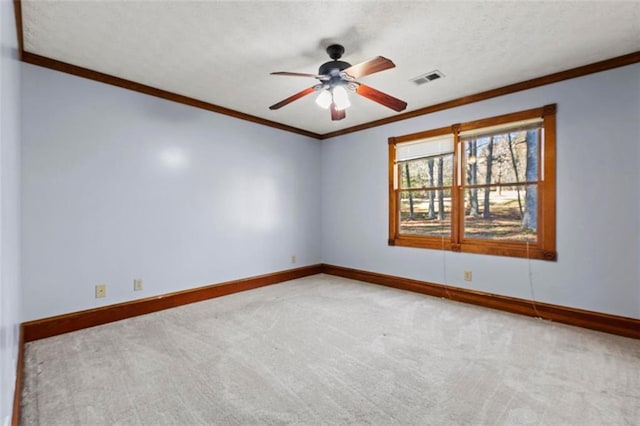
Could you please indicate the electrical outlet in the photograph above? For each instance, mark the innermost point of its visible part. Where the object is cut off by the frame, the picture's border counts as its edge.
(137, 284)
(293, 259)
(101, 291)
(468, 276)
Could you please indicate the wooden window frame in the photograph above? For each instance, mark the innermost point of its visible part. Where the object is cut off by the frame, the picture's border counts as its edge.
(545, 245)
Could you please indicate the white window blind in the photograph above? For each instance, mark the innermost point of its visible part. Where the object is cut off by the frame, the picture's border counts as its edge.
(429, 147)
(501, 128)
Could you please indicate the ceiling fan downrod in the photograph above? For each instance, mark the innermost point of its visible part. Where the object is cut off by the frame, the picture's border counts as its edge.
(334, 67)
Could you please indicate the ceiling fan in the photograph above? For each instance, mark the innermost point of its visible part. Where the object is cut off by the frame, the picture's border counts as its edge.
(337, 77)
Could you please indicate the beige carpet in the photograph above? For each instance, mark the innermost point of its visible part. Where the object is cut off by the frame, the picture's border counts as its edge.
(326, 350)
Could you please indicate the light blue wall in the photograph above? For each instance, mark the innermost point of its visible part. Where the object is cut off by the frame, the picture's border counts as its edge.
(598, 215)
(106, 197)
(9, 207)
(118, 185)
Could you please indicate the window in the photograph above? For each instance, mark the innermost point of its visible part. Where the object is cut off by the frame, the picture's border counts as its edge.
(486, 186)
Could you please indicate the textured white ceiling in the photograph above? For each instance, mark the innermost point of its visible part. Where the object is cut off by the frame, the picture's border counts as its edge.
(222, 52)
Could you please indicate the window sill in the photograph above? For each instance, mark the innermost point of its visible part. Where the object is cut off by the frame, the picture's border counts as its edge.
(510, 249)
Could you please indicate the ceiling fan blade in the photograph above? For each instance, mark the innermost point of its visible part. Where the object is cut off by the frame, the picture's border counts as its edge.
(297, 74)
(337, 114)
(292, 98)
(381, 98)
(369, 67)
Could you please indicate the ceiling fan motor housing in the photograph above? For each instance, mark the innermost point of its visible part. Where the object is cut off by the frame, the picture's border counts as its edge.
(327, 67)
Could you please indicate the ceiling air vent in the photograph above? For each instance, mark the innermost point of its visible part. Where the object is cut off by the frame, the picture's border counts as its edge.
(425, 78)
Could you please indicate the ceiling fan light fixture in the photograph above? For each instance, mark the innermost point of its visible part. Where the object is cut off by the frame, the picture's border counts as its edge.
(324, 99)
(341, 98)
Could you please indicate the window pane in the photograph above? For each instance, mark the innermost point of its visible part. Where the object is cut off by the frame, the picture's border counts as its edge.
(425, 212)
(502, 158)
(427, 172)
(502, 213)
